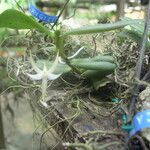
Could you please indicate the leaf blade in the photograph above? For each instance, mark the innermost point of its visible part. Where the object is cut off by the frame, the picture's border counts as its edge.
(100, 65)
(15, 19)
(99, 28)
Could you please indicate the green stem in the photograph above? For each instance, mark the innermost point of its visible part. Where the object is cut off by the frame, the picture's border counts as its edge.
(59, 41)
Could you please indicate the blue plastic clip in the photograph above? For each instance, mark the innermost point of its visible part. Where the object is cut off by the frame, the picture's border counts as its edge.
(40, 15)
(140, 121)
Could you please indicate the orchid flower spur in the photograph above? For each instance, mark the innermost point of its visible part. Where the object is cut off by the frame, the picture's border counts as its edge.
(74, 55)
(44, 75)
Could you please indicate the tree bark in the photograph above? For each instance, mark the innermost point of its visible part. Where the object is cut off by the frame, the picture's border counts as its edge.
(2, 138)
(120, 8)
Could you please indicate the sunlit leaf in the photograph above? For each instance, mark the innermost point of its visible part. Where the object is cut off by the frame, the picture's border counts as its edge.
(15, 19)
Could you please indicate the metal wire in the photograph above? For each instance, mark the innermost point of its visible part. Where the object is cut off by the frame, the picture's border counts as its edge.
(140, 64)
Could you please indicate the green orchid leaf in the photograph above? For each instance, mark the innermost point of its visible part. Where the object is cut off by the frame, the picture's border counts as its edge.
(107, 58)
(94, 65)
(99, 28)
(3, 33)
(134, 31)
(96, 73)
(97, 83)
(15, 19)
(60, 69)
(97, 77)
(98, 58)
(99, 62)
(137, 27)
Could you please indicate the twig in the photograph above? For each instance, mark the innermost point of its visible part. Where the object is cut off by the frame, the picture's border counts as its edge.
(74, 12)
(61, 13)
(19, 6)
(147, 76)
(95, 44)
(141, 82)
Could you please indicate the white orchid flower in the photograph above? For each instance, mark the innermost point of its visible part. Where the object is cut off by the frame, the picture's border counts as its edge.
(44, 75)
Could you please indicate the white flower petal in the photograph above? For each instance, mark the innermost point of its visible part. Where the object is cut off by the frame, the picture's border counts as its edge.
(60, 61)
(38, 76)
(34, 65)
(75, 54)
(44, 104)
(53, 76)
(70, 57)
(54, 64)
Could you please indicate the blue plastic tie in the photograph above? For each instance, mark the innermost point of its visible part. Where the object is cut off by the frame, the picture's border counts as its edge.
(41, 15)
(140, 121)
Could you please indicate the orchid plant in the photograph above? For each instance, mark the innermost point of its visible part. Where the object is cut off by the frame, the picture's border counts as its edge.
(95, 68)
(44, 75)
